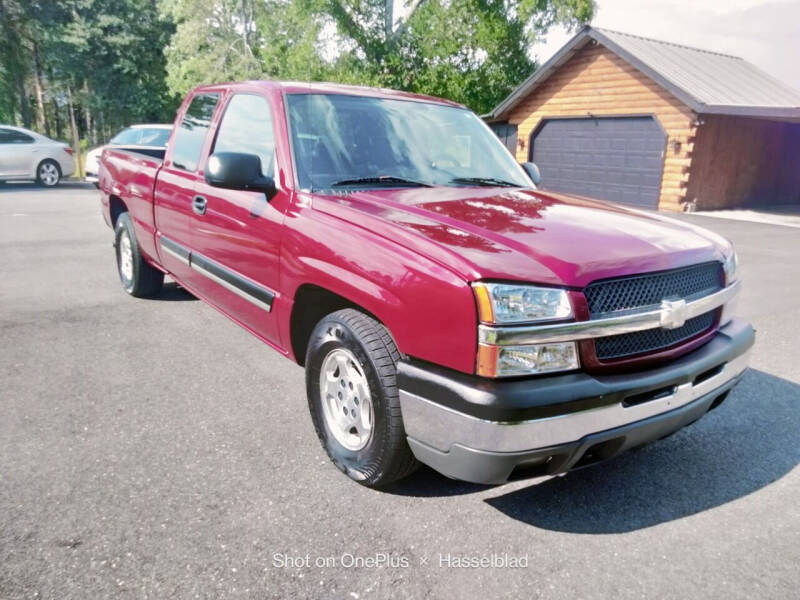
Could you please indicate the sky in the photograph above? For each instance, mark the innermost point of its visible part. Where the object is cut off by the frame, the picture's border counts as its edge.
(764, 32)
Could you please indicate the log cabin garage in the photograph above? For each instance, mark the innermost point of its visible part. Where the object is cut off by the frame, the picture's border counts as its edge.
(655, 125)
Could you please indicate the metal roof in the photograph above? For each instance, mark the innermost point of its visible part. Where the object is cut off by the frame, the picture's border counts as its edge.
(708, 82)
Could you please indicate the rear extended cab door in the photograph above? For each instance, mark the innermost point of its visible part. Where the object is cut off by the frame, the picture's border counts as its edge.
(175, 186)
(236, 235)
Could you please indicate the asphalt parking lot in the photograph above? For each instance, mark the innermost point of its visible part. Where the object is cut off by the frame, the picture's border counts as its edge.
(153, 449)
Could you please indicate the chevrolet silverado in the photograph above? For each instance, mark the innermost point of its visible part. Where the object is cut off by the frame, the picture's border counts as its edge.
(446, 310)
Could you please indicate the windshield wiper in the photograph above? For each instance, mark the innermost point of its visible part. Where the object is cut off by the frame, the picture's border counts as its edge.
(380, 180)
(485, 181)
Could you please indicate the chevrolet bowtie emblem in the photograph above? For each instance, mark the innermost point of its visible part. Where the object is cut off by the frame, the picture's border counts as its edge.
(673, 313)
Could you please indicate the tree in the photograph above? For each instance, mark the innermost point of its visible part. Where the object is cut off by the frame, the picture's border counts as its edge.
(214, 40)
(102, 57)
(472, 51)
(225, 40)
(14, 63)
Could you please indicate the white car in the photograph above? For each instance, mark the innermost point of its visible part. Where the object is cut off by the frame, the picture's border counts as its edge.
(26, 154)
(135, 137)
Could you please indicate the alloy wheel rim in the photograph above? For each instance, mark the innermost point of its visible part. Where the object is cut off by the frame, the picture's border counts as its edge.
(346, 399)
(125, 256)
(48, 173)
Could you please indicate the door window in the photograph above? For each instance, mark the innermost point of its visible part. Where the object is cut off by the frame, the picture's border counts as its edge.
(11, 136)
(192, 131)
(247, 127)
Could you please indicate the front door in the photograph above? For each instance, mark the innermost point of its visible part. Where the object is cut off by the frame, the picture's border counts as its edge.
(236, 234)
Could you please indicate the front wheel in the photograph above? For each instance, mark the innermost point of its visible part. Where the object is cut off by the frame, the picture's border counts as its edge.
(137, 276)
(48, 173)
(351, 380)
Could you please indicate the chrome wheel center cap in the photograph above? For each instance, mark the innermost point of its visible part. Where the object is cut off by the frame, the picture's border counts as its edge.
(346, 399)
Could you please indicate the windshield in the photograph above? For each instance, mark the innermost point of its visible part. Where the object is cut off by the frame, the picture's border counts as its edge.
(339, 140)
(154, 137)
(126, 136)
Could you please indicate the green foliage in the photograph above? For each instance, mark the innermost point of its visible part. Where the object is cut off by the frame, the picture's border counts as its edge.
(228, 40)
(472, 51)
(213, 42)
(111, 52)
(479, 62)
(13, 59)
(105, 56)
(124, 61)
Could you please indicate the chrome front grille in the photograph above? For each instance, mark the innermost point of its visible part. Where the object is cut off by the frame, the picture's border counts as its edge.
(649, 289)
(650, 340)
(645, 292)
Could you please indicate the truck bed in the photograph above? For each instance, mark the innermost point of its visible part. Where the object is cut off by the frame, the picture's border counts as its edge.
(130, 175)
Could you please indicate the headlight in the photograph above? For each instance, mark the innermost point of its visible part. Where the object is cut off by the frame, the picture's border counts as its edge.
(730, 266)
(502, 303)
(507, 361)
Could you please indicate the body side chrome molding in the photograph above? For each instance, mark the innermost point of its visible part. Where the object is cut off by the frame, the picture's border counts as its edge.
(233, 282)
(174, 249)
(227, 278)
(582, 330)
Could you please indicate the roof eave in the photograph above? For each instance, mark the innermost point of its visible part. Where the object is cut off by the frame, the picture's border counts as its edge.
(580, 39)
(764, 112)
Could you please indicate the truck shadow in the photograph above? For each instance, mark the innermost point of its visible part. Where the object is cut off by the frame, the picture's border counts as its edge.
(172, 292)
(750, 441)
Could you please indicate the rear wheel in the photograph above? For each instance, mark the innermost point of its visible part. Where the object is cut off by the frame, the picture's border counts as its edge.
(48, 173)
(137, 276)
(351, 380)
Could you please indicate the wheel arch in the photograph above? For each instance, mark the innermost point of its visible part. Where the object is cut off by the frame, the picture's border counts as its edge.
(312, 302)
(116, 206)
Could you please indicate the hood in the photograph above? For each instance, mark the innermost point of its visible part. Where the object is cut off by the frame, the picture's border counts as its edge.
(526, 235)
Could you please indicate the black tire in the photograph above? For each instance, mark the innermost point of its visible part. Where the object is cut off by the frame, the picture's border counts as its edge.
(46, 180)
(144, 280)
(386, 456)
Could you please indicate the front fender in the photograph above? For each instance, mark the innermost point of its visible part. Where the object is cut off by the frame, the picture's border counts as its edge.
(429, 310)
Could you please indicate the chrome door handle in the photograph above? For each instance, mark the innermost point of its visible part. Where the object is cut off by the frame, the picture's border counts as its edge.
(199, 205)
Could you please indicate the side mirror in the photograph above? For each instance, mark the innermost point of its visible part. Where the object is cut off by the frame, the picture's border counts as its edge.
(533, 172)
(238, 171)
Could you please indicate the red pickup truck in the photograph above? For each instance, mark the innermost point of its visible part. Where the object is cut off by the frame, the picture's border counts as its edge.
(445, 309)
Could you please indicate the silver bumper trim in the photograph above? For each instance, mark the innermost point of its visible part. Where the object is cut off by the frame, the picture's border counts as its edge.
(442, 427)
(582, 330)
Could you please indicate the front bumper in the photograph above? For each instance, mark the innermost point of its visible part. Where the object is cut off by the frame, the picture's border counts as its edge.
(488, 431)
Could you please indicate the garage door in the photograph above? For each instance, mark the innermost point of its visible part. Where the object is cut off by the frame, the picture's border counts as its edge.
(616, 159)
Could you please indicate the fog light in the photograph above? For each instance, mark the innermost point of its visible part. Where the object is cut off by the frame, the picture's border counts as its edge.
(508, 361)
